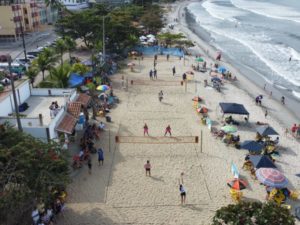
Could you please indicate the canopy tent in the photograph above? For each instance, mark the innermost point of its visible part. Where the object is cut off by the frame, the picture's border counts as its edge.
(75, 80)
(266, 130)
(252, 146)
(233, 108)
(260, 161)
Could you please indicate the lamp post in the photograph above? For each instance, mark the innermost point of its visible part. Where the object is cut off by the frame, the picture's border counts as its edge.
(14, 94)
(103, 39)
(22, 35)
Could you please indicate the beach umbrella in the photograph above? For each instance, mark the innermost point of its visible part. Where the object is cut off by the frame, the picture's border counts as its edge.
(237, 184)
(143, 37)
(266, 130)
(261, 161)
(103, 88)
(252, 146)
(150, 36)
(271, 177)
(222, 69)
(216, 79)
(229, 129)
(199, 59)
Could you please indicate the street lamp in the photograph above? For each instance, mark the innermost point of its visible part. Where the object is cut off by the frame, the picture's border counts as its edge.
(14, 94)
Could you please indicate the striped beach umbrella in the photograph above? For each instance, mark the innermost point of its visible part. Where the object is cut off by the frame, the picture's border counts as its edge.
(103, 88)
(271, 177)
(237, 184)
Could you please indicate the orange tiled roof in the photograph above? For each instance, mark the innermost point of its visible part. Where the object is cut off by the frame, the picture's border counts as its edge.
(84, 99)
(74, 108)
(67, 124)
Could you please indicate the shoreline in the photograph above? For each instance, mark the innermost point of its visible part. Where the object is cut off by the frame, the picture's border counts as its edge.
(285, 116)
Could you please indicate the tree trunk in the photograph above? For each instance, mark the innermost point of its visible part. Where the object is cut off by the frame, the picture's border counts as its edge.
(61, 59)
(43, 73)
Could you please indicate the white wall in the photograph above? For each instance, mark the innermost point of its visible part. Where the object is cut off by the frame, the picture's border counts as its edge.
(25, 122)
(24, 92)
(54, 123)
(54, 91)
(6, 106)
(38, 132)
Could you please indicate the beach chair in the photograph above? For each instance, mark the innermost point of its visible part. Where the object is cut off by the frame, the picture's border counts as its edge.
(236, 195)
(294, 195)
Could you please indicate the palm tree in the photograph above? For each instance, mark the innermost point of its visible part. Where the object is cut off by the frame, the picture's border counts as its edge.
(31, 73)
(70, 45)
(60, 75)
(60, 48)
(45, 61)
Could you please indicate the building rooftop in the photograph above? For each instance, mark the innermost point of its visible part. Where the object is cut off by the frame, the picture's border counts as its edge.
(40, 105)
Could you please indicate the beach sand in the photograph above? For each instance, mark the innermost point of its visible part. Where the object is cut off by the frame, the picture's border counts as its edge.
(119, 192)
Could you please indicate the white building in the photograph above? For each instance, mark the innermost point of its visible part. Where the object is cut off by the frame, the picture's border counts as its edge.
(37, 119)
(74, 5)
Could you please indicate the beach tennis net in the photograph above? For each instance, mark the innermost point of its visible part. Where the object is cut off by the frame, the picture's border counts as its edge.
(156, 140)
(156, 83)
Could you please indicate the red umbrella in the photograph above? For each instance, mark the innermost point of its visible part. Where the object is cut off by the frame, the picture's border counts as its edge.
(237, 184)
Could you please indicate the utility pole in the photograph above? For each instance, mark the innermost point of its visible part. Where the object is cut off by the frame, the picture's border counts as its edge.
(14, 94)
(103, 39)
(22, 35)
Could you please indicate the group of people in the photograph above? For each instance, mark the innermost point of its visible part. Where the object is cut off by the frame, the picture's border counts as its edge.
(153, 74)
(45, 215)
(167, 130)
(54, 109)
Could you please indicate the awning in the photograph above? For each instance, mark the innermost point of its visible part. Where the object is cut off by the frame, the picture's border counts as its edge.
(67, 124)
(233, 108)
(74, 108)
(84, 99)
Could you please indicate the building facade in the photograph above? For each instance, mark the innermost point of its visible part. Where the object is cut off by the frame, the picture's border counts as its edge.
(75, 5)
(24, 15)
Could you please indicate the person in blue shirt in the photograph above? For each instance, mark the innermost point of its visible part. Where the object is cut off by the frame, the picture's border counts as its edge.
(100, 156)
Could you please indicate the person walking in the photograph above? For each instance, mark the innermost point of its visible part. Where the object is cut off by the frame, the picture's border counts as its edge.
(266, 113)
(100, 156)
(160, 95)
(173, 70)
(155, 74)
(147, 167)
(90, 165)
(182, 193)
(168, 130)
(155, 57)
(184, 76)
(168, 56)
(150, 74)
(146, 129)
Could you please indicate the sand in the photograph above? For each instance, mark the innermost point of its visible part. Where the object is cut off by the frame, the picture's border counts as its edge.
(119, 192)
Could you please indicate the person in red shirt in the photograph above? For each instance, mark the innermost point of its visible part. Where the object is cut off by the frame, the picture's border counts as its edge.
(168, 130)
(146, 129)
(294, 128)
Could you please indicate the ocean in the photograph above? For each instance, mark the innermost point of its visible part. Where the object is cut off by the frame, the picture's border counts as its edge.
(260, 37)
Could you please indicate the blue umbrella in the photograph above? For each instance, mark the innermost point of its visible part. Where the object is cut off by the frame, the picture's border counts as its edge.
(252, 146)
(266, 130)
(216, 79)
(222, 69)
(260, 161)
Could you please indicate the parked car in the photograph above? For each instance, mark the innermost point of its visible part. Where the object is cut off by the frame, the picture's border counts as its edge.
(31, 57)
(34, 53)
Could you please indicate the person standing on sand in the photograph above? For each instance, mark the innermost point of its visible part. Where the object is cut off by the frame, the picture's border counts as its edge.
(283, 100)
(168, 130)
(150, 74)
(155, 74)
(147, 167)
(100, 156)
(160, 95)
(90, 165)
(146, 129)
(168, 56)
(173, 70)
(182, 193)
(266, 113)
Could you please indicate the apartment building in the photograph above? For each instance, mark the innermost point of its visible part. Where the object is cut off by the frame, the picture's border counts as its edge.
(27, 15)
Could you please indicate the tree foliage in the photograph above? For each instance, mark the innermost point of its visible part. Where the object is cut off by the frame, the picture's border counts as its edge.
(45, 60)
(253, 213)
(60, 75)
(28, 169)
(170, 39)
(152, 19)
(79, 68)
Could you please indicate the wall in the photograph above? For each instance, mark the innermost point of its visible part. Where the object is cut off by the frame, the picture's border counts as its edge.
(38, 132)
(54, 123)
(6, 106)
(6, 23)
(54, 91)
(25, 122)
(23, 92)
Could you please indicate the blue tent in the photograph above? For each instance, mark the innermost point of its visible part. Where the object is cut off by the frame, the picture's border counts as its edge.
(233, 108)
(260, 161)
(252, 146)
(75, 80)
(222, 69)
(266, 130)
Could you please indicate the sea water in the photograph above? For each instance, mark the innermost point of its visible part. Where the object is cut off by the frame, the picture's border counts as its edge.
(260, 36)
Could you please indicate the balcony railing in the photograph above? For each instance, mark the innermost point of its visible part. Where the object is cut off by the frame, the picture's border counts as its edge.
(17, 18)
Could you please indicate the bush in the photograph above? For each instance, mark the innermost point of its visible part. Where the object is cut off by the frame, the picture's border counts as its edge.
(47, 84)
(253, 213)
